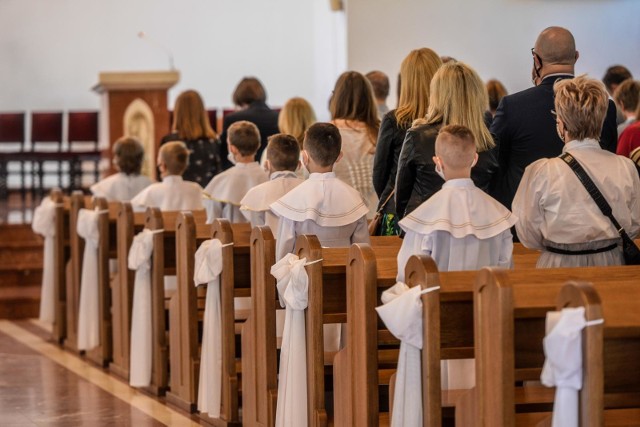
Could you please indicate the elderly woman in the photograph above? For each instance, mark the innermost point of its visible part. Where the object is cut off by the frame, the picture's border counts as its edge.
(556, 213)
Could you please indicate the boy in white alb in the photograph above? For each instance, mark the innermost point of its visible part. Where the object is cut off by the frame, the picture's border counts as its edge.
(460, 227)
(282, 160)
(128, 154)
(173, 193)
(323, 205)
(224, 193)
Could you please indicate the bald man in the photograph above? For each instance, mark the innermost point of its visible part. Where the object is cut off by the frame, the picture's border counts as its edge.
(524, 127)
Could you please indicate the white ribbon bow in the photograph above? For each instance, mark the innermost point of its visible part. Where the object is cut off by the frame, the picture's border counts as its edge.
(563, 363)
(141, 321)
(401, 312)
(207, 269)
(293, 287)
(43, 223)
(89, 310)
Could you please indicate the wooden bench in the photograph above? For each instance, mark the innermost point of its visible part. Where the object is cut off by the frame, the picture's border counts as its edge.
(62, 254)
(128, 224)
(72, 295)
(184, 311)
(259, 343)
(107, 251)
(510, 304)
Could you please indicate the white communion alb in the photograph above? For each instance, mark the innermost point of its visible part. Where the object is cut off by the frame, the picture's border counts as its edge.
(324, 206)
(120, 187)
(172, 194)
(224, 193)
(255, 204)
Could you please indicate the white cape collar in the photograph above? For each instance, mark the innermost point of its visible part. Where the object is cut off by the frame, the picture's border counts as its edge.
(461, 209)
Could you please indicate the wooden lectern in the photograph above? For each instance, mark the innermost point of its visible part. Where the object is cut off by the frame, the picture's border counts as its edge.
(135, 104)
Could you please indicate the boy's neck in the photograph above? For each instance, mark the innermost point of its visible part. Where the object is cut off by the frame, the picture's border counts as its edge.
(457, 174)
(246, 159)
(272, 171)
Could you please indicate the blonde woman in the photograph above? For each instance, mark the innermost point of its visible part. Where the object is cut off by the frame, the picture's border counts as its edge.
(191, 126)
(354, 112)
(416, 73)
(295, 118)
(459, 97)
(555, 212)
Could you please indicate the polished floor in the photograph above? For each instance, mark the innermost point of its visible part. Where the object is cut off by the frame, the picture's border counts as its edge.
(43, 385)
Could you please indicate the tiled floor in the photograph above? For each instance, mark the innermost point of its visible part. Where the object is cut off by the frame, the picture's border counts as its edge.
(42, 385)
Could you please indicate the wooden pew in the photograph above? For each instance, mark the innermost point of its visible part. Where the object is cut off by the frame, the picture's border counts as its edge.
(62, 254)
(259, 346)
(509, 303)
(327, 304)
(184, 317)
(128, 224)
(107, 250)
(259, 343)
(235, 282)
(76, 243)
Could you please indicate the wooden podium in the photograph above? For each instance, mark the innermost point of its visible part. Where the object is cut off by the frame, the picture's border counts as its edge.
(135, 104)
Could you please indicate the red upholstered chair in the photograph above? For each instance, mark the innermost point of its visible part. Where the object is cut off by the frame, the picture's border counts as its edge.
(12, 142)
(213, 119)
(83, 145)
(46, 145)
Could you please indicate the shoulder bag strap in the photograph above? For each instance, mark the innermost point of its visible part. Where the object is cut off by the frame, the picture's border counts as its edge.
(592, 189)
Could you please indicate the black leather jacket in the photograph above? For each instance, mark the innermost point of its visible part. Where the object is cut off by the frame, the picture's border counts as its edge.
(417, 179)
(385, 162)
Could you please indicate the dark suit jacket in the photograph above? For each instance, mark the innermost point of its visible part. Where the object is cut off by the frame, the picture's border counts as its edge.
(525, 131)
(257, 113)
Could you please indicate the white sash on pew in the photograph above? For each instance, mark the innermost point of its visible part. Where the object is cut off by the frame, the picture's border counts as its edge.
(293, 291)
(43, 223)
(89, 310)
(207, 269)
(563, 364)
(141, 321)
(401, 312)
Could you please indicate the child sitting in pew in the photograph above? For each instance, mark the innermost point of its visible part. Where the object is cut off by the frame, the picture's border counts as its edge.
(173, 193)
(224, 193)
(322, 205)
(128, 155)
(460, 227)
(282, 161)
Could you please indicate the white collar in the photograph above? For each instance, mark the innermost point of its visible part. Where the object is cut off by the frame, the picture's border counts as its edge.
(172, 179)
(458, 182)
(282, 174)
(577, 144)
(247, 165)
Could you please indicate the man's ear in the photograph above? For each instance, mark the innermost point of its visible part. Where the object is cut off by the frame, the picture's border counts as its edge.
(339, 157)
(577, 55)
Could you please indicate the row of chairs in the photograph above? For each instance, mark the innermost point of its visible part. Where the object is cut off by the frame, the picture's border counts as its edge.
(47, 144)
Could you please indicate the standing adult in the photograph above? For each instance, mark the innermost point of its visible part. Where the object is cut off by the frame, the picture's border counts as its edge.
(524, 127)
(354, 113)
(250, 98)
(416, 72)
(380, 84)
(458, 97)
(556, 214)
(191, 126)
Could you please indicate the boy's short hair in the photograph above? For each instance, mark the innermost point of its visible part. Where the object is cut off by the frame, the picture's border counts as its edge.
(130, 154)
(627, 95)
(175, 156)
(245, 136)
(283, 152)
(456, 146)
(323, 143)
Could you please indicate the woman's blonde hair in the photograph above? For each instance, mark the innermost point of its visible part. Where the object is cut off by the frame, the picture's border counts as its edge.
(581, 103)
(295, 118)
(190, 119)
(416, 72)
(459, 97)
(353, 100)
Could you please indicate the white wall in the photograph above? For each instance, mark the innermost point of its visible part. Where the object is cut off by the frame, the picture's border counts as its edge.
(493, 36)
(51, 51)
